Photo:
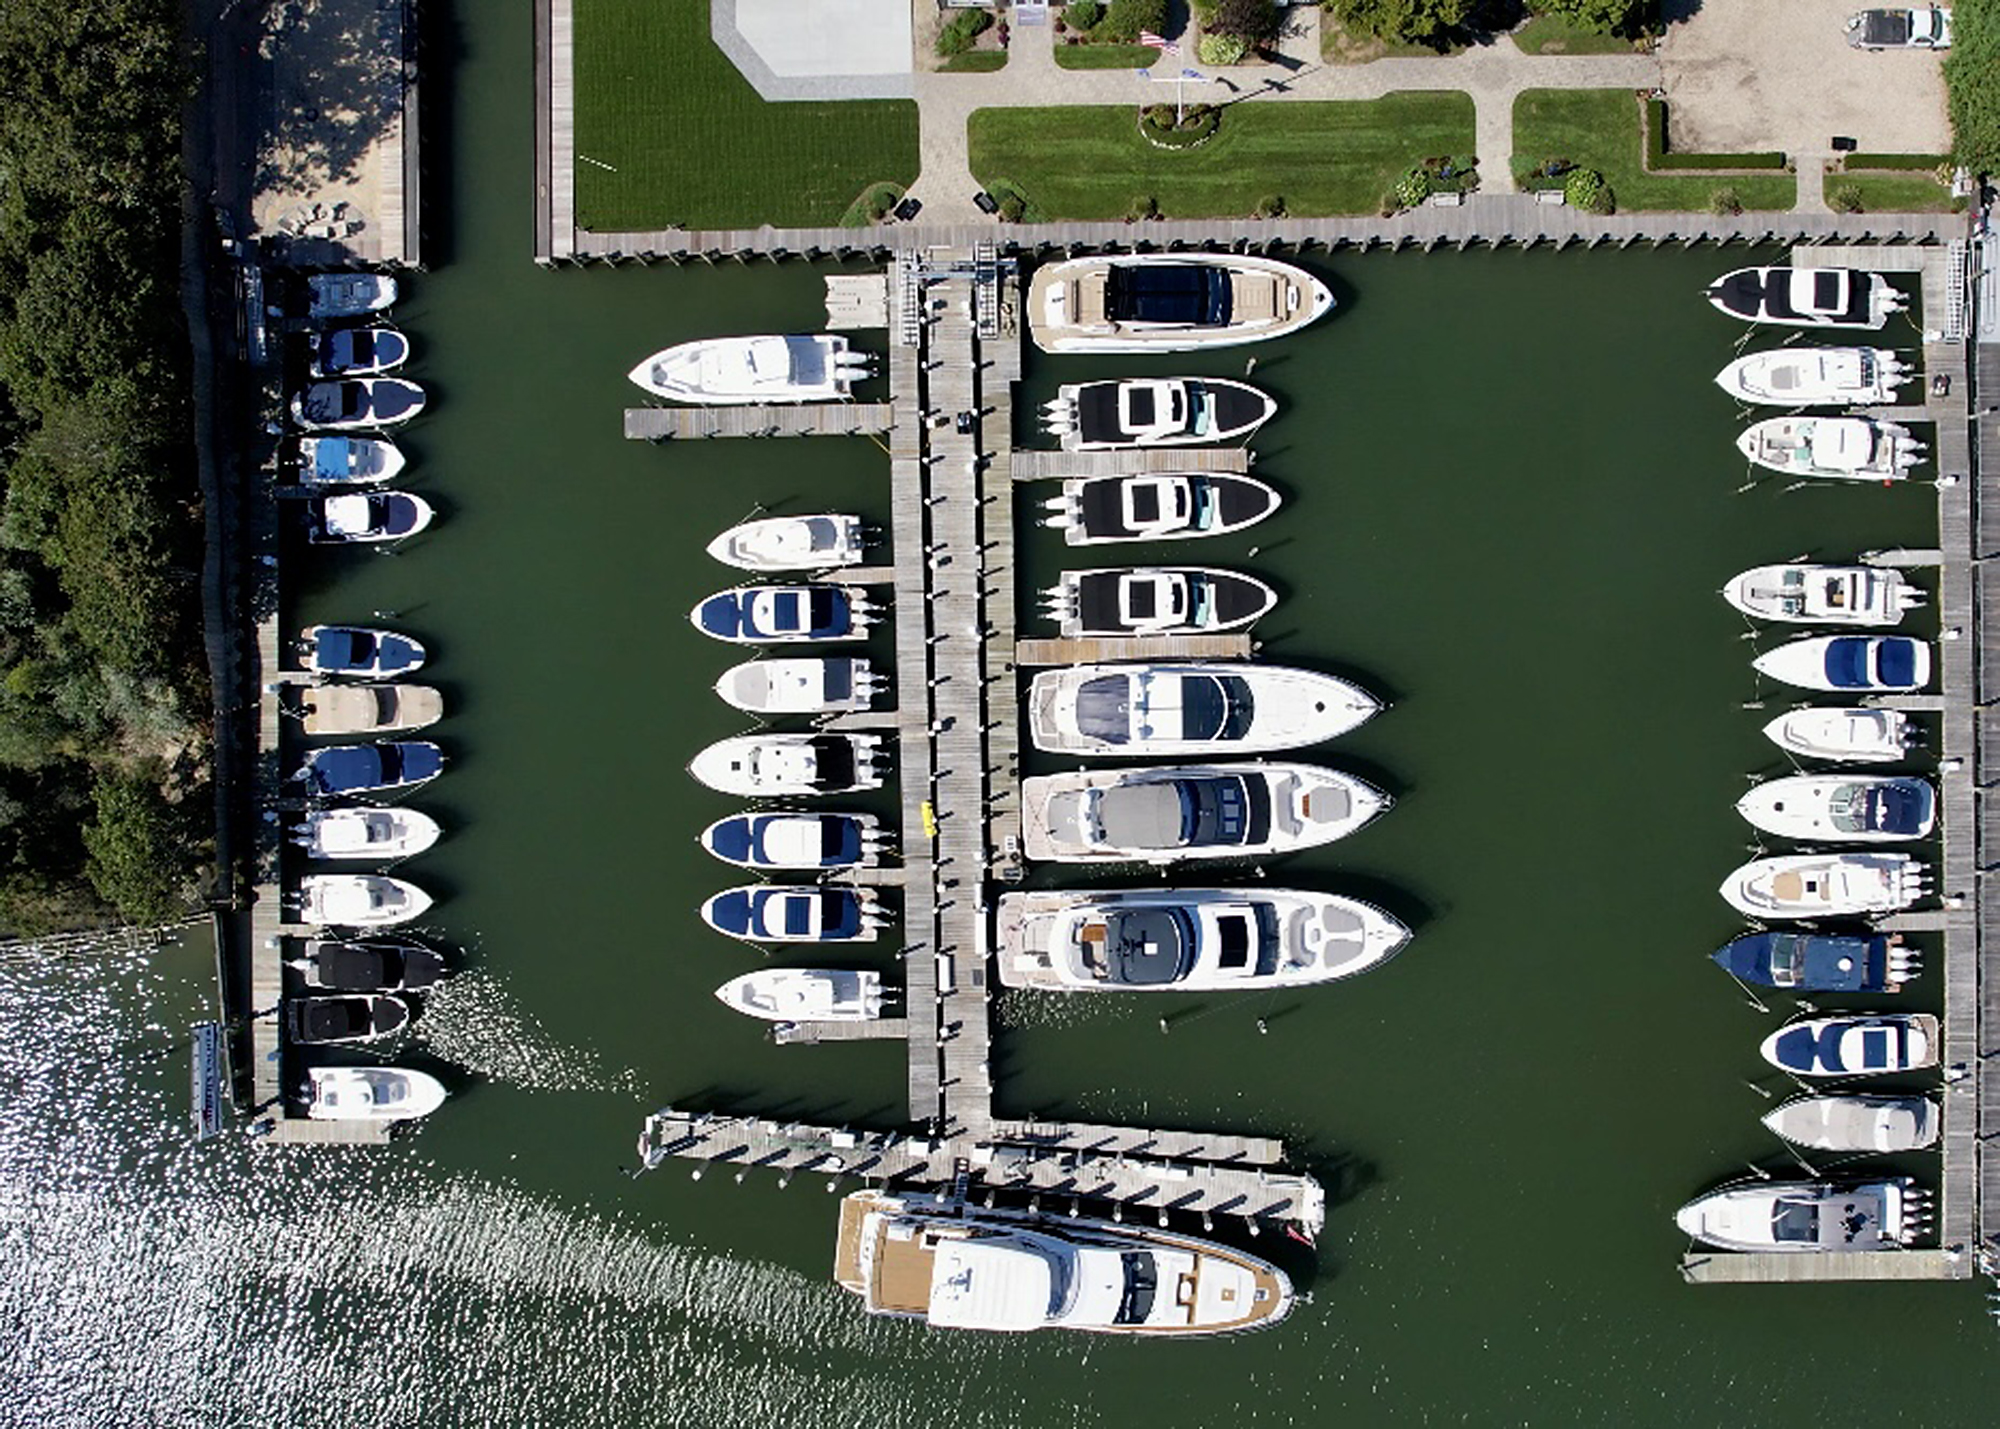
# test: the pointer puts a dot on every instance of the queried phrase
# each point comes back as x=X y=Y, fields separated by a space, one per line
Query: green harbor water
x=1511 y=497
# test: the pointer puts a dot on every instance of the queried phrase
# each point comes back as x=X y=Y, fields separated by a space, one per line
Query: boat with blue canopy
x=358 y=351
x=359 y=650
x=361 y=768
x=1820 y=962
x=774 y=614
x=769 y=913
x=796 y=839
x=1854 y=1046
x=1849 y=662
x=344 y=460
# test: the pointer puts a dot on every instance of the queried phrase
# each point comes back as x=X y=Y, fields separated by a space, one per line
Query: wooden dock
x=795 y=419
x=1092 y=649
x=881 y=1029
x=1703 y=1267
x=1032 y=464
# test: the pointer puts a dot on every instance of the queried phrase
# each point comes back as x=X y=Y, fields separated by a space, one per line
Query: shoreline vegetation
x=104 y=696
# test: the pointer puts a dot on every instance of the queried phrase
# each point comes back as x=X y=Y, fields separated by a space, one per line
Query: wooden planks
x=1089 y=650
x=1036 y=465
x=799 y=419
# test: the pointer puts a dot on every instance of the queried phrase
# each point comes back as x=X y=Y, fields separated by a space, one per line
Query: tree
x=1972 y=83
x=1609 y=17
x=1410 y=21
x=1250 y=20
x=133 y=857
x=1126 y=20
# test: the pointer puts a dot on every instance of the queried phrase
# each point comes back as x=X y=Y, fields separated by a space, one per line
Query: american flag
x=1165 y=47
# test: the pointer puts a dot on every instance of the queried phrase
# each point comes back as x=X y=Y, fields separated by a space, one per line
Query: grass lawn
x=1554 y=35
x=1599 y=129
x=689 y=142
x=1322 y=158
x=1106 y=56
x=1895 y=193
x=975 y=62
x=1339 y=45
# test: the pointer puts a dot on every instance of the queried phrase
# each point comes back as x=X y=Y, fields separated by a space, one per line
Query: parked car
x=1927 y=27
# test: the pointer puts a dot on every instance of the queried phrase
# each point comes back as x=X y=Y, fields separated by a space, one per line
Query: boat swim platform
x=791 y=419
x=1798 y=1268
x=1039 y=464
x=1098 y=649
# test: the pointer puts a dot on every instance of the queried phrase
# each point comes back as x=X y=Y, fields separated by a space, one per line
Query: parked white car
x=1925 y=28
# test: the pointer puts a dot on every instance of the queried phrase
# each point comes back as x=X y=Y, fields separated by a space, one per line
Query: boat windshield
x=1794 y=1222
x=1206 y=512
x=1142 y=1279
x=1200 y=418
x=1176 y=294
x=1215 y=707
x=1788 y=958
x=1223 y=810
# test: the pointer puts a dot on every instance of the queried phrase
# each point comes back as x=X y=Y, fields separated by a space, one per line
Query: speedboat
x=357 y=517
x=1862 y=736
x=357 y=402
x=367 y=709
x=775 y=614
x=722 y=371
x=1857 y=1123
x=806 y=686
x=1854 y=1046
x=1918 y=27
x=1824 y=595
x=1189 y=939
x=1188 y=811
x=1169 y=302
x=1176 y=506
x=805 y=995
x=1154 y=412
x=1808 y=297
x=788 y=839
x=361 y=768
x=1824 y=1216
x=1842 y=808
x=358 y=650
x=358 y=351
x=1156 y=600
x=369 y=965
x=347 y=461
x=371 y=1094
x=791 y=543
x=1197 y=708
x=345 y=1019
x=1825 y=885
x=961 y=1268
x=380 y=834
x=1849 y=662
x=1836 y=448
x=777 y=913
x=1819 y=962
x=763 y=765
x=359 y=900
x=348 y=295
x=1816 y=377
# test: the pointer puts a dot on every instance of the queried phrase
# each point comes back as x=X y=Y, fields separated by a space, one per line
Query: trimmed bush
x=1659 y=157
x=1158 y=123
x=1125 y=19
x=1222 y=49
x=1844 y=198
x=1925 y=162
x=1270 y=206
x=962 y=31
x=1586 y=189
x=1725 y=201
x=1144 y=207
x=1083 y=14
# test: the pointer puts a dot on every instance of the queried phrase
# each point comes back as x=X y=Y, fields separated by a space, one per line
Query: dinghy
x=1155 y=412
x=1842 y=808
x=1176 y=506
x=792 y=840
x=1861 y=736
x=791 y=543
x=1824 y=1217
x=1824 y=595
x=1808 y=297
x=1854 y=1045
x=727 y=371
x=1857 y=1123
x=767 y=765
x=1816 y=377
x=1849 y=662
x=1169 y=302
x=805 y=995
x=1833 y=448
x=1156 y=600
x=778 y=913
x=1197 y=708
x=1818 y=885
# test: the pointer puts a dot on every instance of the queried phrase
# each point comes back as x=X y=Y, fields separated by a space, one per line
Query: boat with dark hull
x=1174 y=506
x=1808 y=297
x=1820 y=962
x=359 y=1018
x=797 y=839
x=386 y=964
x=1156 y=600
x=1155 y=412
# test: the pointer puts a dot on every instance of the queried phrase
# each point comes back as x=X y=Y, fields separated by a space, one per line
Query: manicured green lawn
x=1599 y=129
x=1554 y=35
x=689 y=142
x=1322 y=158
x=1896 y=193
x=975 y=62
x=1106 y=56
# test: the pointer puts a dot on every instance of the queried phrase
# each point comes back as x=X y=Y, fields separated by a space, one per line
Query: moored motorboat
x=1156 y=600
x=371 y=1094
x=1197 y=708
x=785 y=614
x=1155 y=412
x=348 y=295
x=1859 y=735
x=362 y=768
x=1820 y=962
x=1824 y=595
x=358 y=351
x=359 y=900
x=388 y=964
x=803 y=686
x=1842 y=808
x=788 y=839
x=1809 y=1216
x=1851 y=1123
x=1174 y=506
x=1854 y=1045
x=350 y=402
x=358 y=650
x=1817 y=885
x=1808 y=297
x=791 y=543
x=725 y=371
x=359 y=517
x=805 y=995
x=1833 y=448
x=764 y=765
x=366 y=833
x=345 y=460
x=1849 y=662
x=353 y=1018
x=367 y=709
x=1816 y=377
x=1169 y=302
x=781 y=913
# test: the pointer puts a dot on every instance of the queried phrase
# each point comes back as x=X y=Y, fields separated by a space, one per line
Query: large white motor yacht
x=1807 y=1216
x=805 y=995
x=1833 y=448
x=1808 y=297
x=762 y=765
x=1821 y=885
x=1842 y=808
x=1852 y=735
x=1198 y=708
x=1155 y=412
x=359 y=900
x=1169 y=302
x=724 y=371
x=791 y=543
x=800 y=686
x=1824 y=595
x=366 y=833
x=1855 y=1123
x=1816 y=377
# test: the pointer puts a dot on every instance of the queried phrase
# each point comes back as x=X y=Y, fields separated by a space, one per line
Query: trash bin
x=985 y=202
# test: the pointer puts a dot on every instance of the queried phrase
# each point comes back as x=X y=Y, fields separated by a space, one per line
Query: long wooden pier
x=1092 y=649
x=797 y=419
x=1040 y=465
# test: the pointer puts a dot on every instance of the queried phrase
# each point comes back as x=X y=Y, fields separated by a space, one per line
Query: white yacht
x=1197 y=708
x=1854 y=1123
x=361 y=517
x=763 y=765
x=366 y=833
x=791 y=839
x=801 y=686
x=1834 y=448
x=343 y=404
x=357 y=351
x=1154 y=412
x=1809 y=1216
x=960 y=1268
x=1189 y=939
x=359 y=900
x=725 y=371
x=805 y=995
x=1849 y=662
x=1854 y=1045
x=1169 y=302
x=791 y=543
x=344 y=460
x=1156 y=600
x=370 y=1094
x=367 y=709
x=1824 y=595
x=1842 y=808
x=1816 y=377
x=348 y=295
x=1860 y=736
x=1808 y=297
x=1174 y=506
x=1825 y=885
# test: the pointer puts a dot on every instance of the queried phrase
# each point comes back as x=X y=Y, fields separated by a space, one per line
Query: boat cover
x=820 y=611
x=787 y=913
x=1840 y=443
x=375 y=966
x=1178 y=294
x=1847 y=663
x=1099 y=417
x=333 y=459
x=362 y=349
x=1858 y=1045
x=1896 y=662
x=336 y=1019
x=351 y=649
x=1808 y=962
x=1139 y=947
x=349 y=768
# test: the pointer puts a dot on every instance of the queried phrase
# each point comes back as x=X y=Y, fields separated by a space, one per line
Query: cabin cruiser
x=1824 y=595
x=357 y=402
x=1156 y=600
x=1176 y=506
x=1187 y=811
x=1854 y=1046
x=348 y=295
x=1189 y=939
x=1842 y=808
x=359 y=900
x=796 y=839
x=347 y=461
x=1849 y=662
x=361 y=832
x=805 y=995
x=1858 y=735
x=345 y=1019
x=1154 y=412
x=724 y=371
x=1823 y=1216
x=1825 y=885
x=1919 y=27
x=775 y=614
x=358 y=351
x=371 y=1094
x=361 y=768
x=359 y=651
x=1836 y=1123
x=1197 y=708
x=791 y=543
x=369 y=965
x=1835 y=448
x=1819 y=962
x=356 y=517
x=1816 y=377
x=777 y=913
x=956 y=1267
x=1169 y=302
x=367 y=709
x=808 y=686
x=1808 y=297
x=764 y=765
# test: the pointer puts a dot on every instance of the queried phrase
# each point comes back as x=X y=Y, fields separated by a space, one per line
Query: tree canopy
x=1972 y=80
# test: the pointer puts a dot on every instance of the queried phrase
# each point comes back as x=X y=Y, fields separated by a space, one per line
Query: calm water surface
x=1512 y=499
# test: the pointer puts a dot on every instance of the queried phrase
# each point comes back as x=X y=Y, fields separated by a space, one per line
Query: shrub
x=1222 y=49
x=1410 y=21
x=961 y=31
x=1414 y=187
x=1844 y=198
x=1270 y=206
x=1252 y=20
x=1607 y=17
x=1725 y=201
x=1083 y=14
x=1161 y=124
x=1125 y=19
x=1586 y=189
x=133 y=853
x=1013 y=208
x=1143 y=207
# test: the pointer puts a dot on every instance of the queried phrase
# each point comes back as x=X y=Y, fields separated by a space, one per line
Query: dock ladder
x=986 y=289
x=1953 y=326
x=909 y=301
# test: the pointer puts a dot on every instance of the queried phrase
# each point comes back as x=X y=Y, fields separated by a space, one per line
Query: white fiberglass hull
x=805 y=995
x=1857 y=1123
x=732 y=371
x=371 y=1094
x=1861 y=736
x=374 y=834
x=762 y=765
x=1816 y=377
x=1807 y=1217
x=1804 y=663
x=1193 y=709
x=1070 y=310
x=791 y=543
x=1832 y=448
x=801 y=686
x=1821 y=808
x=1825 y=885
x=359 y=900
x=1824 y=595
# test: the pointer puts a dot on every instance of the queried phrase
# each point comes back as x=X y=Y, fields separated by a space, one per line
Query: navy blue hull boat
x=760 y=614
x=769 y=913
x=1813 y=962
x=370 y=965
x=796 y=840
x=358 y=650
x=361 y=768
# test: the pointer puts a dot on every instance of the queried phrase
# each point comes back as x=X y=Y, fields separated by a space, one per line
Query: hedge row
x=1657 y=157
x=1926 y=163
